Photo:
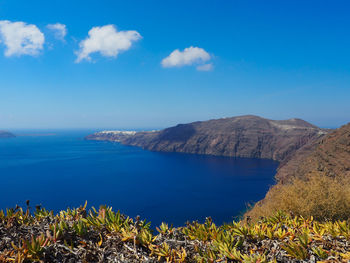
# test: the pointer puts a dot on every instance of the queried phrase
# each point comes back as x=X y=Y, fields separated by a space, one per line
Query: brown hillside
x=314 y=182
x=329 y=156
x=242 y=136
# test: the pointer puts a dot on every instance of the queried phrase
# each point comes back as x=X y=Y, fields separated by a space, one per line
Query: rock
x=243 y=136
x=329 y=155
x=4 y=134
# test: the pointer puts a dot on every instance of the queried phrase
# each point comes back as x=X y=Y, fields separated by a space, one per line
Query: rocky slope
x=312 y=182
x=329 y=156
x=4 y=134
x=243 y=136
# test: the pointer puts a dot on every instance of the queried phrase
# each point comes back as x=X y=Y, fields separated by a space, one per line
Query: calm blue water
x=64 y=170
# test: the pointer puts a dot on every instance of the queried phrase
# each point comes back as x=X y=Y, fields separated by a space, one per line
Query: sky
x=153 y=64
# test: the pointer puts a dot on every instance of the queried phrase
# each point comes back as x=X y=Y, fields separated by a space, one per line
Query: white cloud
x=189 y=56
x=60 y=30
x=21 y=38
x=107 y=41
x=205 y=67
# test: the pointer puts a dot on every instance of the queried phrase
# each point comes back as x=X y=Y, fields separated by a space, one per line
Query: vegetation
x=323 y=197
x=78 y=235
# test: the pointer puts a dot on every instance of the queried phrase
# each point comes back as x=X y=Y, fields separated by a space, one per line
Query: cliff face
x=313 y=182
x=244 y=136
x=4 y=134
x=329 y=156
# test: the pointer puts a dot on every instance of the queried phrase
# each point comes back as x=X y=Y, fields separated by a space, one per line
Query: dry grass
x=319 y=196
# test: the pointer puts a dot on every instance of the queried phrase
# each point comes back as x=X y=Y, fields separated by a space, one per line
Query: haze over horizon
x=138 y=64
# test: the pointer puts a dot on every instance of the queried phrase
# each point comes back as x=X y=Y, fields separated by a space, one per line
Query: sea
x=59 y=169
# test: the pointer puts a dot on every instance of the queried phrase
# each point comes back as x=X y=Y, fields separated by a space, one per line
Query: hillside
x=329 y=156
x=315 y=181
x=4 y=134
x=243 y=136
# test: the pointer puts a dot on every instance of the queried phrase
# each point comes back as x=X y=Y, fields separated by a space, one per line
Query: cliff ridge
x=243 y=136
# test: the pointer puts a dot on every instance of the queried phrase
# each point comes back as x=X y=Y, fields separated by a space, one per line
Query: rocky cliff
x=329 y=156
x=4 y=134
x=313 y=182
x=243 y=136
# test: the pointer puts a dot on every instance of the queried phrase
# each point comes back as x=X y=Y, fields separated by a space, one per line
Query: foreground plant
x=78 y=235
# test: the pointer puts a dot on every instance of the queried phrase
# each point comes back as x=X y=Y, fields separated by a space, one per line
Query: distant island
x=5 y=134
x=243 y=136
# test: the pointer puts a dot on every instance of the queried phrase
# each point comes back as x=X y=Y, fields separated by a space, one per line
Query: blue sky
x=275 y=59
